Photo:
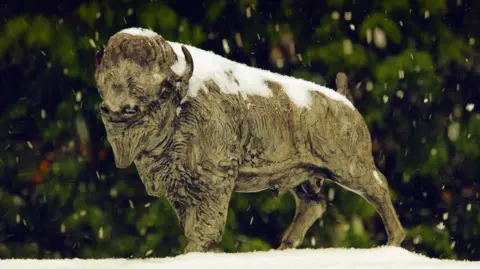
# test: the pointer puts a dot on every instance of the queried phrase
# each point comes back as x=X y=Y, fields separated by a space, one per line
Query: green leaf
x=328 y=29
x=418 y=71
x=242 y=4
x=254 y=244
x=452 y=48
x=17 y=111
x=51 y=132
x=434 y=238
x=336 y=3
x=64 y=51
x=392 y=6
x=338 y=55
x=271 y=205
x=68 y=167
x=191 y=34
x=469 y=138
x=437 y=157
x=214 y=9
x=376 y=115
x=392 y=30
x=435 y=7
x=88 y=12
x=41 y=34
x=109 y=16
x=13 y=31
x=357 y=205
x=159 y=17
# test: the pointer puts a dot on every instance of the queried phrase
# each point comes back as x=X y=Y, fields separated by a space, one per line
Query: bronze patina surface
x=196 y=151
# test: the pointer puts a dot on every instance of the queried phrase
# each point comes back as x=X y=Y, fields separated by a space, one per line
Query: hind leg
x=310 y=205
x=374 y=188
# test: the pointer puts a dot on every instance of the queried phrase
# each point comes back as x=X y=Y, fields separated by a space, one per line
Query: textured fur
x=196 y=151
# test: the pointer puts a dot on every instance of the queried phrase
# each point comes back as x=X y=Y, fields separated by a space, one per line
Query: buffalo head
x=139 y=90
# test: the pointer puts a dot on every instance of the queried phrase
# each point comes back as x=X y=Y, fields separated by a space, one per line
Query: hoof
x=396 y=241
x=288 y=245
x=285 y=246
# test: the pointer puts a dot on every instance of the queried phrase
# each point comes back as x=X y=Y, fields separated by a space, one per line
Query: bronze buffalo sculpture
x=198 y=127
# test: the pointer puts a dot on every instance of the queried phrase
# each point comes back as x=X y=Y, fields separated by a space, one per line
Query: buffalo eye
x=130 y=111
x=167 y=88
x=164 y=95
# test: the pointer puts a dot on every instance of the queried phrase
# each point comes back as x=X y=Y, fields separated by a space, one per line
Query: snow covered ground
x=382 y=257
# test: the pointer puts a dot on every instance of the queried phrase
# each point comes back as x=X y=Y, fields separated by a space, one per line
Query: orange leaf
x=44 y=165
x=37 y=177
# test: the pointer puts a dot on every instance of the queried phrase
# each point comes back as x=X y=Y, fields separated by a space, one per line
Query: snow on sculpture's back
x=251 y=81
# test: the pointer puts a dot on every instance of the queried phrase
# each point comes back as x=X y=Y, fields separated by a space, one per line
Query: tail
x=341 y=82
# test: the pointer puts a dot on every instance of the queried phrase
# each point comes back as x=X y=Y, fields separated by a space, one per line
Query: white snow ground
x=381 y=257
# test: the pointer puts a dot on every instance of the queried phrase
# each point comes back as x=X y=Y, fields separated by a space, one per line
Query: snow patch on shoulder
x=139 y=32
x=237 y=78
x=208 y=65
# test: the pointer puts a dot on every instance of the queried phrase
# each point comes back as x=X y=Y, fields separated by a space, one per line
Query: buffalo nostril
x=131 y=111
x=104 y=109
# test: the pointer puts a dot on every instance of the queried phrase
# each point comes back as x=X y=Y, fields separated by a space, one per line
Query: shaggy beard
x=125 y=147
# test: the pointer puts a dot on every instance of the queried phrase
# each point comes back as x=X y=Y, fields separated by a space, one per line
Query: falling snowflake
x=469 y=107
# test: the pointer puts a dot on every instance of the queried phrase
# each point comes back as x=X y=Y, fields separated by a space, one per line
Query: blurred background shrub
x=413 y=67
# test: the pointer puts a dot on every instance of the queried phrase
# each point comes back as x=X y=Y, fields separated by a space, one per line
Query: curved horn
x=189 y=66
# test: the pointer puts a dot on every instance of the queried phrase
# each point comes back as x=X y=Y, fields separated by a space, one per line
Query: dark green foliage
x=413 y=67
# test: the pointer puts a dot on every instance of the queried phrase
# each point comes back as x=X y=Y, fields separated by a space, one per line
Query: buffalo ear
x=98 y=57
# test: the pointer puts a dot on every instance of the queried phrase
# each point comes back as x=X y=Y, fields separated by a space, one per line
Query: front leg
x=210 y=144
x=206 y=214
